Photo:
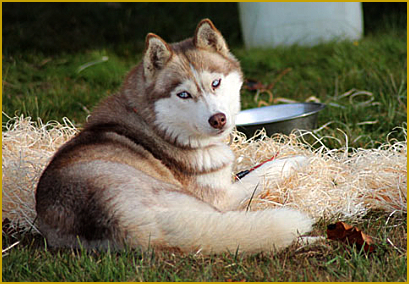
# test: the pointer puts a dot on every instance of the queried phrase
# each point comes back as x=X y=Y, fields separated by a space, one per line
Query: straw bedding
x=337 y=183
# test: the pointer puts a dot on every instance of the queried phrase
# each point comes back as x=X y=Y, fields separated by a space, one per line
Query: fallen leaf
x=348 y=234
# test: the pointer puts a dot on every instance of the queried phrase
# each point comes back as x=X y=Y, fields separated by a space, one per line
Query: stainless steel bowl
x=282 y=118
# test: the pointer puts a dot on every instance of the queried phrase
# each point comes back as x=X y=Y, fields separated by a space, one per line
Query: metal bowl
x=282 y=118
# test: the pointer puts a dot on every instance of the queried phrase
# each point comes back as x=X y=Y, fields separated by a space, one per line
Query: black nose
x=217 y=120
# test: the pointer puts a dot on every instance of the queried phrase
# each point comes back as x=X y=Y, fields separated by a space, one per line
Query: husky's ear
x=208 y=37
x=157 y=54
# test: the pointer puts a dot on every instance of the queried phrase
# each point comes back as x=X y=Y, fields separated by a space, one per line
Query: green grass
x=50 y=86
x=324 y=261
x=375 y=65
x=47 y=84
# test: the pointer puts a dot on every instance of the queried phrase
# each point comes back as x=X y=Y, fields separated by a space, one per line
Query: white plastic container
x=267 y=24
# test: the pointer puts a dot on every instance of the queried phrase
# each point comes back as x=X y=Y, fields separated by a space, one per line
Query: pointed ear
x=208 y=37
x=157 y=54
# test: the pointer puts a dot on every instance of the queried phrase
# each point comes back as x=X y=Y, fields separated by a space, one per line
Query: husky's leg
x=251 y=184
x=278 y=169
x=215 y=232
x=157 y=214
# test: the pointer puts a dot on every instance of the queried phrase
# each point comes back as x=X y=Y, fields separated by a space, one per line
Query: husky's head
x=193 y=86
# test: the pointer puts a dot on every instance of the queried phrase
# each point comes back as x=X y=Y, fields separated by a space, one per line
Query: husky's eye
x=184 y=95
x=216 y=83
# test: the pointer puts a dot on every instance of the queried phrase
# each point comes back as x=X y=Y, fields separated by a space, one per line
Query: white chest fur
x=211 y=158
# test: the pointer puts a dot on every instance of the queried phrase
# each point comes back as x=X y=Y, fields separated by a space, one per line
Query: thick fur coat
x=151 y=169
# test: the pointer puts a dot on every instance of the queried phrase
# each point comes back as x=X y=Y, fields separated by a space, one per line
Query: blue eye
x=216 y=83
x=184 y=95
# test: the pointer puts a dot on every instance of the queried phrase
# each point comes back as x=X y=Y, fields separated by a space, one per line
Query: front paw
x=283 y=167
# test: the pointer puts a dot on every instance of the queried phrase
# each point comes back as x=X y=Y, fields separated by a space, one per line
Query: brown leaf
x=348 y=234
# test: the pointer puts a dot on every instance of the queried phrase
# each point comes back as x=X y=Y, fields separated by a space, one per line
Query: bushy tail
x=215 y=232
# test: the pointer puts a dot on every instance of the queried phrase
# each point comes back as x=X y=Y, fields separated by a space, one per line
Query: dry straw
x=27 y=147
x=337 y=183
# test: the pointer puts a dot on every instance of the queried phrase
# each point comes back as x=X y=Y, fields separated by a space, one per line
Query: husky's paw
x=295 y=222
x=282 y=168
x=276 y=170
x=289 y=225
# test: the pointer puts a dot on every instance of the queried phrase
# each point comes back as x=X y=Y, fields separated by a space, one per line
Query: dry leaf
x=346 y=233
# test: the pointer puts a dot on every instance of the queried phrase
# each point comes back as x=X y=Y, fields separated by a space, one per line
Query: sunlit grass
x=362 y=83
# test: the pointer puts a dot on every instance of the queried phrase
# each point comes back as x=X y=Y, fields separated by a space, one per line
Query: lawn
x=363 y=84
x=325 y=261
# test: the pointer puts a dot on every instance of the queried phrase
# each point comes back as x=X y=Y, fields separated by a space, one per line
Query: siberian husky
x=151 y=167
